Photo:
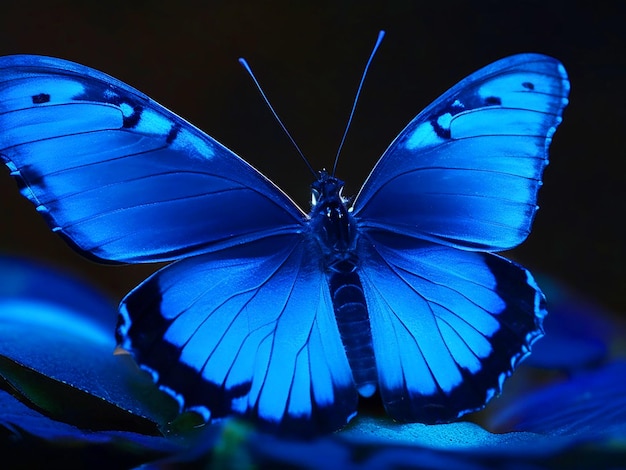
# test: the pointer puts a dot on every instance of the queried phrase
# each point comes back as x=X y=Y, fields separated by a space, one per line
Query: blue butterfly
x=286 y=317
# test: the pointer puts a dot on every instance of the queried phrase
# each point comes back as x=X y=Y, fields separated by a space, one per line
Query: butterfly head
x=325 y=189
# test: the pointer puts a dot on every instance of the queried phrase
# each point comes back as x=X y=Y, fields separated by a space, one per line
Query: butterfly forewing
x=466 y=171
x=122 y=177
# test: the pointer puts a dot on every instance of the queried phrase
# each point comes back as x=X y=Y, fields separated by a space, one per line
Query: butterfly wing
x=448 y=325
x=466 y=171
x=121 y=177
x=248 y=330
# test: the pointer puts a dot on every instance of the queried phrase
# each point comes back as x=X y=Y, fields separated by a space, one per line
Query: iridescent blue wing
x=248 y=330
x=466 y=171
x=120 y=176
x=448 y=325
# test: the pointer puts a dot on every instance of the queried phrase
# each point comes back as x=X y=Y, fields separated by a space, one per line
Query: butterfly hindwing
x=121 y=177
x=466 y=171
x=247 y=331
x=448 y=325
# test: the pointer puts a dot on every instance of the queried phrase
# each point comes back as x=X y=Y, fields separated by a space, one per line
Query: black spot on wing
x=528 y=85
x=493 y=101
x=442 y=132
x=172 y=134
x=41 y=98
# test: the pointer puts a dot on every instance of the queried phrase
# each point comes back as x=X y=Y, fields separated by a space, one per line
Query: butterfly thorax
x=331 y=222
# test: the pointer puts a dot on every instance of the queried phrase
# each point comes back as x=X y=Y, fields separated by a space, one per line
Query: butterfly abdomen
x=354 y=326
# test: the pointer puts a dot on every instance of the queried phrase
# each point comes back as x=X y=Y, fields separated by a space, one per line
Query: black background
x=309 y=57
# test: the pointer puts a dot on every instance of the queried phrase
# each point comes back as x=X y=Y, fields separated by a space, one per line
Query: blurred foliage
x=67 y=395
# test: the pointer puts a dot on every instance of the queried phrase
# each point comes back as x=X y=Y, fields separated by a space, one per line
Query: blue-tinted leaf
x=589 y=406
x=50 y=333
x=579 y=332
x=36 y=441
x=23 y=278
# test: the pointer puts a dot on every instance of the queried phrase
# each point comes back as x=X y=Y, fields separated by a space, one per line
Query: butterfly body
x=335 y=231
x=281 y=317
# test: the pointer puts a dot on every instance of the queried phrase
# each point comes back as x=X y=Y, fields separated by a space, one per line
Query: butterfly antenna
x=381 y=35
x=243 y=62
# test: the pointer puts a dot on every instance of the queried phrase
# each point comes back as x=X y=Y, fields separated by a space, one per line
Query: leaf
x=589 y=406
x=579 y=332
x=58 y=353
x=33 y=440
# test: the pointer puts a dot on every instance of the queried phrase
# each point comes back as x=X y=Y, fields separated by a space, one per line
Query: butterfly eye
x=315 y=197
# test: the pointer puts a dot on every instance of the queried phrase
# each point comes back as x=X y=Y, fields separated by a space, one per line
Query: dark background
x=309 y=57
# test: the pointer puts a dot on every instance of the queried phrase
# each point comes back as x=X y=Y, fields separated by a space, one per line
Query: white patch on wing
x=127 y=110
x=152 y=122
x=423 y=136
x=444 y=121
x=192 y=144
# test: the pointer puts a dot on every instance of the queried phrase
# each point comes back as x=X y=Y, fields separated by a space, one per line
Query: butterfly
x=287 y=317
